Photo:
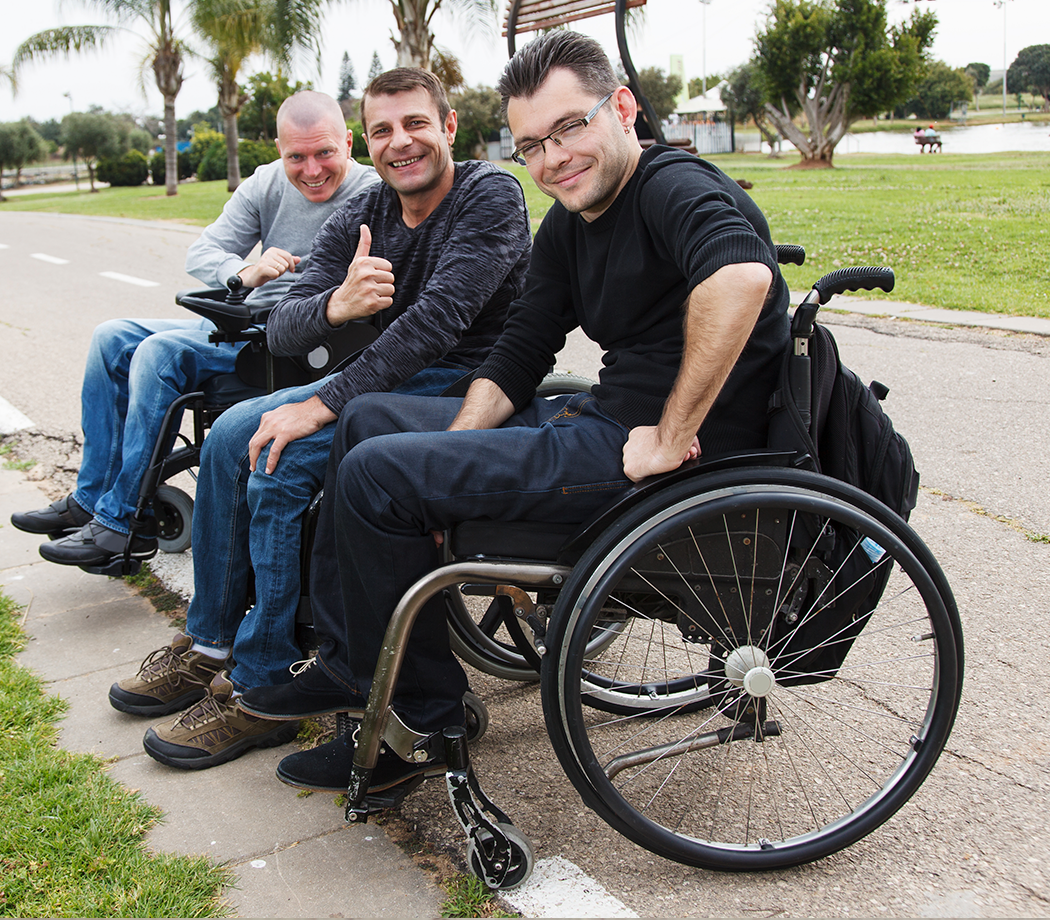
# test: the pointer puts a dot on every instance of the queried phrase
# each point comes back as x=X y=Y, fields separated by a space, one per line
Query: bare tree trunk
x=415 y=46
x=233 y=161
x=171 y=150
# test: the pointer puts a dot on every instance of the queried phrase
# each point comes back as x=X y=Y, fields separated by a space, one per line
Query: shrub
x=156 y=166
x=128 y=170
x=253 y=154
x=212 y=164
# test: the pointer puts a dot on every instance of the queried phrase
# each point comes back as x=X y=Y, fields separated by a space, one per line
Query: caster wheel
x=174 y=511
x=522 y=858
x=477 y=717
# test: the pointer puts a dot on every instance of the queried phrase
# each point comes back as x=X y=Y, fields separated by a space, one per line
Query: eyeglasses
x=565 y=136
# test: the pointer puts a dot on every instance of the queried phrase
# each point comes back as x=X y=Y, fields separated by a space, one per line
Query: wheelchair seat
x=224 y=390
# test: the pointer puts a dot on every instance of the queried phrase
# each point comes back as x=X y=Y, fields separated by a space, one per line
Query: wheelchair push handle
x=857 y=278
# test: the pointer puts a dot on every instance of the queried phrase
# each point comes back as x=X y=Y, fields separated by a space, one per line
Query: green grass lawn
x=71 y=840
x=961 y=231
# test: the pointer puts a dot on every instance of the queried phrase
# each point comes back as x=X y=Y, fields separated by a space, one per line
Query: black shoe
x=58 y=518
x=311 y=693
x=95 y=544
x=326 y=768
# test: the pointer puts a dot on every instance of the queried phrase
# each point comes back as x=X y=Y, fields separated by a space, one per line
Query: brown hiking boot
x=170 y=679
x=214 y=731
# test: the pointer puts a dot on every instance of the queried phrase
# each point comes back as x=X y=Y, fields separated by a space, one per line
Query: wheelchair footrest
x=116 y=568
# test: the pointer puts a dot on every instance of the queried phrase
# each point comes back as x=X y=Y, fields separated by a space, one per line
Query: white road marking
x=129 y=279
x=11 y=420
x=44 y=257
x=557 y=888
x=4 y=246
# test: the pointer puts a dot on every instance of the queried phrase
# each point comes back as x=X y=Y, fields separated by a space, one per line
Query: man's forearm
x=484 y=406
x=720 y=316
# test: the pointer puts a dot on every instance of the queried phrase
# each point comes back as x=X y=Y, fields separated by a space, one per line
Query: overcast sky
x=714 y=38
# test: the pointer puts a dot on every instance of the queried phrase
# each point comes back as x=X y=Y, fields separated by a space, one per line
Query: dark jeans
x=394 y=475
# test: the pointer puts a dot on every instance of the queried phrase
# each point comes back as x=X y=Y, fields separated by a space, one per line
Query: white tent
x=710 y=102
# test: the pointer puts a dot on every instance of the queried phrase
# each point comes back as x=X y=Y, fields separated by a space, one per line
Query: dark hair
x=403 y=80
x=526 y=72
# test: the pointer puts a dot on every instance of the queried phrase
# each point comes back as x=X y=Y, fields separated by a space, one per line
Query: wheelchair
x=747 y=665
x=167 y=510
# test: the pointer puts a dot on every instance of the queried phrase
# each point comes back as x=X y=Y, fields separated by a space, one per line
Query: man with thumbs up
x=431 y=258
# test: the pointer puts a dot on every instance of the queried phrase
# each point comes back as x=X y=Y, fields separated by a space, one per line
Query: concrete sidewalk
x=293 y=856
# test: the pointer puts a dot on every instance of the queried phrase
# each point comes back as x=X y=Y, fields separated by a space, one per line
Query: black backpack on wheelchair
x=837 y=427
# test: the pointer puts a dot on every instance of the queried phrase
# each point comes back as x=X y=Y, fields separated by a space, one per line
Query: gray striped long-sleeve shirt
x=454 y=277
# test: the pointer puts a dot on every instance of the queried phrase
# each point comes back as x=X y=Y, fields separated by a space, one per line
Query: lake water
x=974 y=139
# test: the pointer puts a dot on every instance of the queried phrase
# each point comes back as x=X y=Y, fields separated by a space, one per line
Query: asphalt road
x=974 y=406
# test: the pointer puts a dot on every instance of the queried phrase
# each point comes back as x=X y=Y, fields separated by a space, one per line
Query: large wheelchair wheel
x=822 y=631
x=487 y=635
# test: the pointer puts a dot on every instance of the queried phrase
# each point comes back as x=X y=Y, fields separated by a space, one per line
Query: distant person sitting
x=137 y=367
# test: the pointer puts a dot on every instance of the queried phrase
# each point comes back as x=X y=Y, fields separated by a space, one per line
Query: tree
x=164 y=55
x=376 y=67
x=448 y=70
x=92 y=135
x=20 y=145
x=745 y=96
x=258 y=119
x=1030 y=73
x=8 y=75
x=941 y=87
x=695 y=87
x=660 y=89
x=236 y=29
x=980 y=74
x=347 y=79
x=478 y=113
x=833 y=62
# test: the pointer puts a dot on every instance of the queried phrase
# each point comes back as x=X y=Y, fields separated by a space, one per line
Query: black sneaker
x=95 y=545
x=326 y=768
x=60 y=517
x=311 y=693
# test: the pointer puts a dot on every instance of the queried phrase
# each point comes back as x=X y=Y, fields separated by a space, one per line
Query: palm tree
x=8 y=75
x=415 y=48
x=164 y=55
x=237 y=29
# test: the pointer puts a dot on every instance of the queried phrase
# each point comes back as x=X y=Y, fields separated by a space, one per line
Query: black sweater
x=625 y=278
x=454 y=277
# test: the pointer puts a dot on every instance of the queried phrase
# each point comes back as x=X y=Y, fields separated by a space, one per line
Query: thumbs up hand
x=367 y=288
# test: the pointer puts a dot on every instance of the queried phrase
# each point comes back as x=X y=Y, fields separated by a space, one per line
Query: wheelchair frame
x=795 y=676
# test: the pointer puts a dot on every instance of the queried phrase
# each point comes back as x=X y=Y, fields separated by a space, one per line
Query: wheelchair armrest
x=211 y=304
x=574 y=547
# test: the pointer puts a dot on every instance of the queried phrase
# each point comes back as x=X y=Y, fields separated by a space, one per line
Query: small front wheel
x=484 y=865
x=174 y=512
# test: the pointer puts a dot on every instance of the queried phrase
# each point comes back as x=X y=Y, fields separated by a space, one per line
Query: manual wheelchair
x=746 y=664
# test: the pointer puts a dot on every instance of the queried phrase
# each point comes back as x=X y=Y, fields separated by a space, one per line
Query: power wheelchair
x=743 y=664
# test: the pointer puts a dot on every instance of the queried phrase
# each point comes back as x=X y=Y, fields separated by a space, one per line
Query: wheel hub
x=748 y=668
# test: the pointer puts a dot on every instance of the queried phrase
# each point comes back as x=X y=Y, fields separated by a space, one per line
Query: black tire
x=488 y=639
x=801 y=753
x=174 y=512
x=522 y=858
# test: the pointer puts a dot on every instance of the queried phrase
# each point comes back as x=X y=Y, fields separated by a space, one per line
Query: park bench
x=933 y=141
x=536 y=15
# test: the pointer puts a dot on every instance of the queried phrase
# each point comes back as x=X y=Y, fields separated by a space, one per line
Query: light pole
x=76 y=178
x=703 y=45
x=1002 y=3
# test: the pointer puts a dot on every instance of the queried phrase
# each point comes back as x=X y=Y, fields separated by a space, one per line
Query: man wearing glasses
x=661 y=259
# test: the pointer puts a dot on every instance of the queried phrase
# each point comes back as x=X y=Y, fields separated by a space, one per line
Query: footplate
x=497 y=852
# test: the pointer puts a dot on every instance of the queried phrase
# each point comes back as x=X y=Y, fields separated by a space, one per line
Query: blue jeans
x=245 y=522
x=135 y=369
x=394 y=475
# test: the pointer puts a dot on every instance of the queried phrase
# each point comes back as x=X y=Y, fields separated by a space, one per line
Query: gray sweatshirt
x=267 y=209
